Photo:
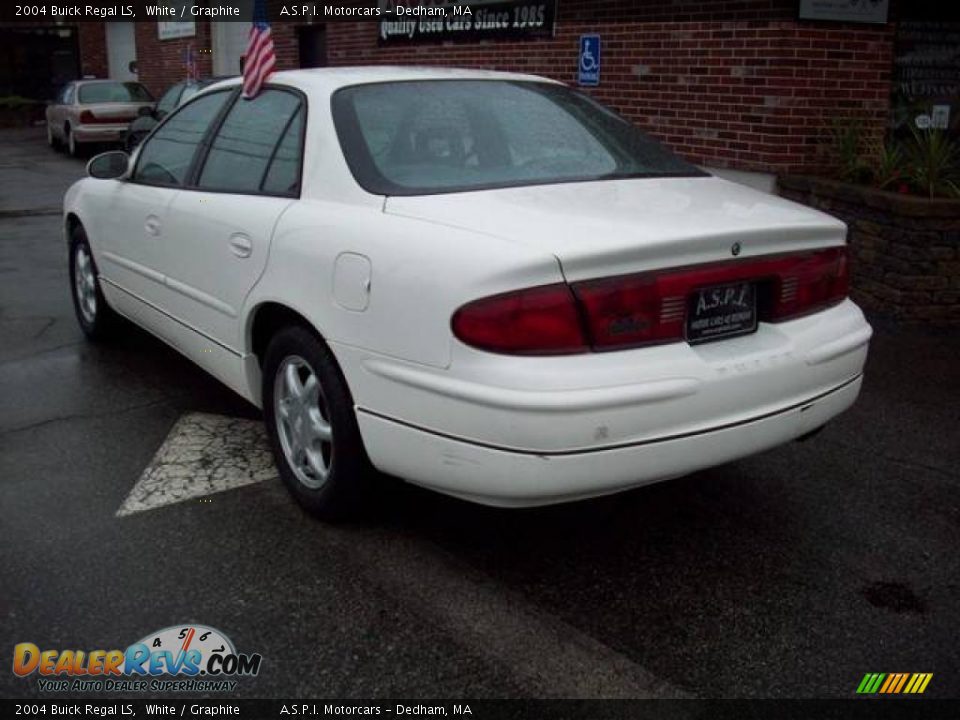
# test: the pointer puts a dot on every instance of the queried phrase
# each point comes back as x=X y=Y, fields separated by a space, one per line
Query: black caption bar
x=510 y=16
x=874 y=709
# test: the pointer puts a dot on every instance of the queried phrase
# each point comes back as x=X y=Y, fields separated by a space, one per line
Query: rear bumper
x=112 y=132
x=524 y=431
x=495 y=476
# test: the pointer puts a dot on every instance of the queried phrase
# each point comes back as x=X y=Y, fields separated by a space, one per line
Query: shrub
x=934 y=163
x=16 y=102
x=889 y=164
x=928 y=163
x=848 y=147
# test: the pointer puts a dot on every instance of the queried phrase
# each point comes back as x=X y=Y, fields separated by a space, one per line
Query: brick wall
x=285 y=45
x=92 y=41
x=161 y=63
x=732 y=84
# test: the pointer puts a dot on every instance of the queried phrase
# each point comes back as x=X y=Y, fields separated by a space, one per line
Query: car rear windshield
x=425 y=137
x=113 y=92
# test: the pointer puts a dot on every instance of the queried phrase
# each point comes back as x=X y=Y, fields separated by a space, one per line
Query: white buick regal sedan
x=484 y=283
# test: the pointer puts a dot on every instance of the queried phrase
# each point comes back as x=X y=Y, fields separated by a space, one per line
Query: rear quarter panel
x=420 y=274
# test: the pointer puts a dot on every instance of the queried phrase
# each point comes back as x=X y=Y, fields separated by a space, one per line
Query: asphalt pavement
x=788 y=574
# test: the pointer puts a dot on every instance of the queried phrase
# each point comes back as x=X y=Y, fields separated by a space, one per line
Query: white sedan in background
x=94 y=111
x=483 y=283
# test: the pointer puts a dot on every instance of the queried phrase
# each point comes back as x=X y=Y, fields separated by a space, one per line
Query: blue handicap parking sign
x=589 y=60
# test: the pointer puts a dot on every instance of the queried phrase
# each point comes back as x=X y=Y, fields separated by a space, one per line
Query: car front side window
x=166 y=157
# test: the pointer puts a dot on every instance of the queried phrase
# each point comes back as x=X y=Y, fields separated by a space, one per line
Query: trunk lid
x=614 y=227
x=114 y=111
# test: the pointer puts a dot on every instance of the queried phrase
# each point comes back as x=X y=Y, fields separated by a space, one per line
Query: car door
x=219 y=230
x=130 y=217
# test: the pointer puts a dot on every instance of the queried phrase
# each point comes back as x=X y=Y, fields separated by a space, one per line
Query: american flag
x=190 y=61
x=259 y=58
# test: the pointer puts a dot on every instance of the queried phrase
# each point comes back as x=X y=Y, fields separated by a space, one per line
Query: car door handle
x=152 y=225
x=241 y=245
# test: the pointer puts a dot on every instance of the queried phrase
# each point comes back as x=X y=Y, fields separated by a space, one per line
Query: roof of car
x=330 y=79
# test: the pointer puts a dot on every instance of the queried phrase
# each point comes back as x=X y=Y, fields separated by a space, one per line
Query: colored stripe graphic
x=870 y=683
x=903 y=679
x=891 y=679
x=894 y=683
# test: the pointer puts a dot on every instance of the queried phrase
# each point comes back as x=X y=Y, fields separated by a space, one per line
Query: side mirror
x=145 y=111
x=109 y=165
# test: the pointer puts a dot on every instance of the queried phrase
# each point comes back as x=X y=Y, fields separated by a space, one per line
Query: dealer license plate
x=721 y=311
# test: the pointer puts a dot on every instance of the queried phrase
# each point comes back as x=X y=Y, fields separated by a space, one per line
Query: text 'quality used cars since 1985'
x=483 y=283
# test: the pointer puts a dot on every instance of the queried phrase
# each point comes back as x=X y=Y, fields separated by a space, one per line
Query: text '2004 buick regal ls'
x=484 y=283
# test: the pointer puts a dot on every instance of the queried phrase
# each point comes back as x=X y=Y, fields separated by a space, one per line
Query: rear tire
x=97 y=319
x=312 y=426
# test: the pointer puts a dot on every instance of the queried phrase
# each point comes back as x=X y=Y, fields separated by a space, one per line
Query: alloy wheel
x=302 y=420
x=85 y=283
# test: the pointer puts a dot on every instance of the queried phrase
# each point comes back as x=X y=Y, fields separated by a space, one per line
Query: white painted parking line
x=548 y=656
x=206 y=454
x=203 y=454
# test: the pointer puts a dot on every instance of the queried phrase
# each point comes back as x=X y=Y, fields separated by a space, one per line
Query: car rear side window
x=166 y=157
x=245 y=143
x=283 y=177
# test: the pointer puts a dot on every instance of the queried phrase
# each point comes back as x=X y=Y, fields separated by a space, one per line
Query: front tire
x=96 y=318
x=72 y=147
x=312 y=427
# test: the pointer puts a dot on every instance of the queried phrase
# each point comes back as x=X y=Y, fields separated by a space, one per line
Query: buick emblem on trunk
x=735 y=249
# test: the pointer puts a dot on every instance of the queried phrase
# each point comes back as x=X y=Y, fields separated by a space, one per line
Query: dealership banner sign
x=858 y=11
x=417 y=22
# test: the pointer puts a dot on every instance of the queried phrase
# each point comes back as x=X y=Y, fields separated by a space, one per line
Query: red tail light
x=632 y=310
x=810 y=283
x=645 y=308
x=88 y=118
x=539 y=321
